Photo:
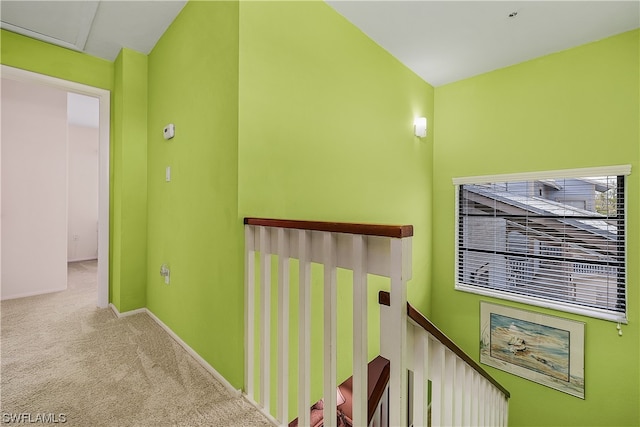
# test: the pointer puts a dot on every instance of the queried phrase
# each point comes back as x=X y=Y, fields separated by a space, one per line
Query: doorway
x=103 y=164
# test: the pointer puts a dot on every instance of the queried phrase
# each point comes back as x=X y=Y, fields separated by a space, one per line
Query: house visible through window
x=554 y=239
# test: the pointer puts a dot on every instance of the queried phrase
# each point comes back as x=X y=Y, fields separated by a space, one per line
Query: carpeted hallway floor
x=62 y=355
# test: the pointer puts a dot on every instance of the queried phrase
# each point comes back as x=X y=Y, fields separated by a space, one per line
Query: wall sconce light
x=420 y=126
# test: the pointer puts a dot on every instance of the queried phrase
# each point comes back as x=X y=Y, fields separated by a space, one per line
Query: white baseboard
x=196 y=356
x=126 y=313
x=234 y=391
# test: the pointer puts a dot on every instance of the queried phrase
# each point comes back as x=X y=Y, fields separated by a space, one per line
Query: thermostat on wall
x=169 y=131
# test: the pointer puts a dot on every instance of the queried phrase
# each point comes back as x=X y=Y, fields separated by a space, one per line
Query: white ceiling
x=100 y=28
x=445 y=41
x=441 y=41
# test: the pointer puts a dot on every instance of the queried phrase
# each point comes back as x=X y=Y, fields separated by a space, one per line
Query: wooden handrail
x=375 y=396
x=378 y=378
x=385 y=299
x=397 y=231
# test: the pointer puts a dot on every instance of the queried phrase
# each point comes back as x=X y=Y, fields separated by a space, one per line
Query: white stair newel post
x=249 y=308
x=304 y=328
x=330 y=329
x=265 y=335
x=398 y=308
x=283 y=324
x=360 y=371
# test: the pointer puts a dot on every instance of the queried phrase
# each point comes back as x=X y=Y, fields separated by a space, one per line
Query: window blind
x=557 y=242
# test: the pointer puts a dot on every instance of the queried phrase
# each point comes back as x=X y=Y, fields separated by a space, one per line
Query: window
x=554 y=239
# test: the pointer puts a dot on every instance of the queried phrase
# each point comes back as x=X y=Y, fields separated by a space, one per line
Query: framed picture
x=545 y=349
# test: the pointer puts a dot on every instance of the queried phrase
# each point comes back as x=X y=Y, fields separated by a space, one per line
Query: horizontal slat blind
x=549 y=239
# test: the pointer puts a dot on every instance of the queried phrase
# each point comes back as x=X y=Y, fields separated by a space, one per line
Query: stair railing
x=364 y=249
x=461 y=392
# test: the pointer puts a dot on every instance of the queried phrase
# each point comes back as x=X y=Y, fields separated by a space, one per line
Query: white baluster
x=330 y=328
x=447 y=391
x=421 y=379
x=467 y=395
x=249 y=308
x=458 y=391
x=483 y=403
x=360 y=359
x=282 y=412
x=384 y=408
x=475 y=407
x=495 y=406
x=304 y=328
x=265 y=335
x=505 y=411
x=437 y=383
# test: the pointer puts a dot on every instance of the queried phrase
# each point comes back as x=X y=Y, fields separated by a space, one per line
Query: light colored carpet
x=62 y=355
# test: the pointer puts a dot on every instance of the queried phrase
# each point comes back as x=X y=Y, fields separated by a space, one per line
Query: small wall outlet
x=76 y=237
x=166 y=273
x=169 y=131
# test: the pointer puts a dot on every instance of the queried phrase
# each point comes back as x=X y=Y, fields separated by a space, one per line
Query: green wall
x=577 y=108
x=129 y=160
x=193 y=220
x=326 y=133
x=293 y=84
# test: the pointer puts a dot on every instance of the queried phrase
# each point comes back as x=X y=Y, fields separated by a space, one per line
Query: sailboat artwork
x=547 y=352
x=516 y=344
x=537 y=350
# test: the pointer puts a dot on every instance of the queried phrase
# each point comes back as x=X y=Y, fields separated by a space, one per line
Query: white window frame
x=619 y=170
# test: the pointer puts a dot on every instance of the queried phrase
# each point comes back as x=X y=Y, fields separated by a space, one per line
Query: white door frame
x=103 y=162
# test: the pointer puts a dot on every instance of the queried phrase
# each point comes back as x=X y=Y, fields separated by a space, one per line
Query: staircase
x=431 y=380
